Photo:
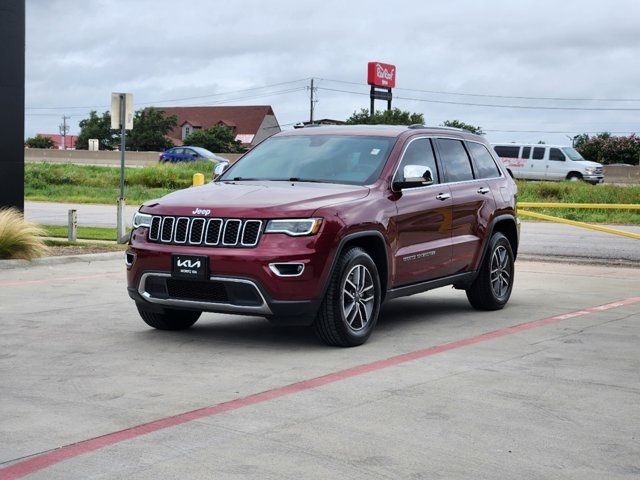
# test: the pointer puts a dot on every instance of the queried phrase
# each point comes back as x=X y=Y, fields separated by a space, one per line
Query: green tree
x=606 y=148
x=97 y=126
x=217 y=139
x=385 y=117
x=39 y=142
x=149 y=129
x=463 y=126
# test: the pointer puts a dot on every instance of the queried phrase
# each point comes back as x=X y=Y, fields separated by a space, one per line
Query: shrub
x=19 y=238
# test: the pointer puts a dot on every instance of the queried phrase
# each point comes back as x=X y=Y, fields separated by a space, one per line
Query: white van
x=547 y=162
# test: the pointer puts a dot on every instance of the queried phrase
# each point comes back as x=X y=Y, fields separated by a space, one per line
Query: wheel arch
x=372 y=242
x=574 y=173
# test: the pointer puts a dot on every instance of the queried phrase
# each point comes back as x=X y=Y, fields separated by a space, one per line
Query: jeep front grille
x=213 y=232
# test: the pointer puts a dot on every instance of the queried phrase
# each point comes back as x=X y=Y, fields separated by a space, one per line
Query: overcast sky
x=77 y=53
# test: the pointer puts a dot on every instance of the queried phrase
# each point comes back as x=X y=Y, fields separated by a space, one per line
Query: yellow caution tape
x=598 y=228
x=612 y=206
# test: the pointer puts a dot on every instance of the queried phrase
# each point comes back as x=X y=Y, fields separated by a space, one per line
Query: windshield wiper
x=309 y=180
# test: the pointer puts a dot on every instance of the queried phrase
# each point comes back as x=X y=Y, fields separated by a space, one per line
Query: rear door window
x=526 y=152
x=485 y=166
x=456 y=161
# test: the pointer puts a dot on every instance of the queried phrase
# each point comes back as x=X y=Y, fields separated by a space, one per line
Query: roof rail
x=416 y=126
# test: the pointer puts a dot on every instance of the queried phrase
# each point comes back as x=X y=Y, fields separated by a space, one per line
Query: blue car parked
x=189 y=154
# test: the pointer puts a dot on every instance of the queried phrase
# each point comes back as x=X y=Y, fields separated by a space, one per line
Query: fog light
x=287 y=269
x=129 y=258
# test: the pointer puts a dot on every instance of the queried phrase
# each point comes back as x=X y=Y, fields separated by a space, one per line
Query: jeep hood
x=274 y=199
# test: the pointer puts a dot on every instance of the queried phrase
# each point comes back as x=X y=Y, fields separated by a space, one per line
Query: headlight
x=590 y=171
x=141 y=220
x=294 y=227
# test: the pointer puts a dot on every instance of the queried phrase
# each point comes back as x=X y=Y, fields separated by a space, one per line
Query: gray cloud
x=77 y=53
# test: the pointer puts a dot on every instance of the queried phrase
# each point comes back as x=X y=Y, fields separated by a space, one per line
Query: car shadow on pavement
x=227 y=330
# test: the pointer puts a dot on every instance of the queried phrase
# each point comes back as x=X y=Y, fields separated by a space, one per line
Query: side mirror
x=414 y=176
x=220 y=168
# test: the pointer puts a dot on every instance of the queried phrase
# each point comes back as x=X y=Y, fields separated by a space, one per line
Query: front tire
x=574 y=177
x=350 y=309
x=492 y=287
x=170 y=319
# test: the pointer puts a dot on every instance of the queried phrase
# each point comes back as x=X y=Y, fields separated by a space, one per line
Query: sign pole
x=121 y=202
x=382 y=78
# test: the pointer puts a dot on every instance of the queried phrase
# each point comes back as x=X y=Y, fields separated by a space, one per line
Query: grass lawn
x=49 y=182
x=580 y=192
x=85 y=233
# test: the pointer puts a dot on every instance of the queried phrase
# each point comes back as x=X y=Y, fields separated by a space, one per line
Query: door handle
x=443 y=196
x=483 y=190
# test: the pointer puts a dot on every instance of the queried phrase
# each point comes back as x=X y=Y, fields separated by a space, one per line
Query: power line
x=465 y=94
x=555 y=131
x=175 y=99
x=489 y=105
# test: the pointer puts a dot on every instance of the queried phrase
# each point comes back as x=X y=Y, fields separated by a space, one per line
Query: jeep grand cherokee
x=319 y=226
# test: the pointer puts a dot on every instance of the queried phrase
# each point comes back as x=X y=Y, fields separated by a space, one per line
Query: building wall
x=268 y=127
x=184 y=131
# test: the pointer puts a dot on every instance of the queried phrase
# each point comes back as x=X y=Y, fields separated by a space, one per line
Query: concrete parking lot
x=549 y=387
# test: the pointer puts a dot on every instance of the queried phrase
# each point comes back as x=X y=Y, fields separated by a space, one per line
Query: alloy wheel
x=358 y=297
x=500 y=276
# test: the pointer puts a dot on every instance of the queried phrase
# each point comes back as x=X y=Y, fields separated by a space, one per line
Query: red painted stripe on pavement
x=40 y=281
x=44 y=460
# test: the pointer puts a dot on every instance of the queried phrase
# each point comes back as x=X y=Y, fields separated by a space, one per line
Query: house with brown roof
x=250 y=124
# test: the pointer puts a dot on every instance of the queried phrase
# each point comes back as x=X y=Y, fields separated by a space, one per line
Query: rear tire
x=350 y=309
x=492 y=286
x=170 y=319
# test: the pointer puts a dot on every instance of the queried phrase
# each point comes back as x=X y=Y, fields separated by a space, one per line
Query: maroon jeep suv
x=319 y=226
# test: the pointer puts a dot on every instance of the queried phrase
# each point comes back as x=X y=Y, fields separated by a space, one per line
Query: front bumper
x=240 y=281
x=594 y=178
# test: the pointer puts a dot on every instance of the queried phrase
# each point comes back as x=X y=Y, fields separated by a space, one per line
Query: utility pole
x=312 y=101
x=64 y=129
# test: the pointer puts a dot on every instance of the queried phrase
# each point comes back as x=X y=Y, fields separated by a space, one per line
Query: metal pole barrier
x=72 y=233
x=121 y=202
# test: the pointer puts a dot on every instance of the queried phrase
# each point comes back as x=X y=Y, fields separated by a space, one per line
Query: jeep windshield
x=356 y=160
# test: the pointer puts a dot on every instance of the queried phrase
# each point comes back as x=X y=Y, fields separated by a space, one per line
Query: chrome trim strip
x=435 y=137
x=225 y=232
x=244 y=227
x=209 y=306
x=207 y=231
x=204 y=224
x=173 y=224
x=186 y=235
x=274 y=269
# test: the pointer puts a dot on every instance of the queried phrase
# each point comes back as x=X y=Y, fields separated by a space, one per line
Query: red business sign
x=381 y=74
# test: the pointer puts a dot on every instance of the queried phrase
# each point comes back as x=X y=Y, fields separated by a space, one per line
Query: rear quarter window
x=507 y=151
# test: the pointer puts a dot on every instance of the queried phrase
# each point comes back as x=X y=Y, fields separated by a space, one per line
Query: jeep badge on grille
x=200 y=211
